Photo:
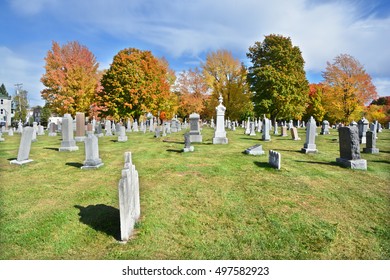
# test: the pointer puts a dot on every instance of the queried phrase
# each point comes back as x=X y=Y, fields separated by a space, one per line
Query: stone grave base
x=190 y=149
x=371 y=150
x=79 y=138
x=52 y=134
x=68 y=149
x=92 y=166
x=196 y=138
x=220 y=140
x=122 y=138
x=360 y=164
x=309 y=151
x=15 y=161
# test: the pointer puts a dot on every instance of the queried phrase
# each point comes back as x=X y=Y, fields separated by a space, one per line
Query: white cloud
x=15 y=69
x=382 y=86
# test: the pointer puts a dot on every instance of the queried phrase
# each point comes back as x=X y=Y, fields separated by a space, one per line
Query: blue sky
x=183 y=31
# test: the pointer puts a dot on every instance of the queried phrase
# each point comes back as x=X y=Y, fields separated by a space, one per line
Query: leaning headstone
x=122 y=137
x=266 y=128
x=274 y=159
x=92 y=160
x=129 y=200
x=370 y=143
x=187 y=144
x=80 y=127
x=350 y=148
x=255 y=150
x=294 y=133
x=325 y=128
x=68 y=143
x=195 y=135
x=220 y=132
x=24 y=147
x=310 y=146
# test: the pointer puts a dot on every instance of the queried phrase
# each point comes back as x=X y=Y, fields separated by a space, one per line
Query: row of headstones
x=349 y=146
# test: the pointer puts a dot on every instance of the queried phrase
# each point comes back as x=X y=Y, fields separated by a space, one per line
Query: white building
x=6 y=110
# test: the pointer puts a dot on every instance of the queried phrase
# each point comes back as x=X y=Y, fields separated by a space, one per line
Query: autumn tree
x=348 y=88
x=135 y=83
x=315 y=105
x=226 y=76
x=71 y=78
x=191 y=89
x=277 y=78
x=379 y=110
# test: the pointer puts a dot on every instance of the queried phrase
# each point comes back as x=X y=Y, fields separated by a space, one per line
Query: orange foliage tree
x=71 y=78
x=227 y=76
x=348 y=88
x=315 y=105
x=136 y=83
x=191 y=90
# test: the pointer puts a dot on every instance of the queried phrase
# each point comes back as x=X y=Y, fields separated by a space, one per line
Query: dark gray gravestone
x=350 y=148
x=370 y=143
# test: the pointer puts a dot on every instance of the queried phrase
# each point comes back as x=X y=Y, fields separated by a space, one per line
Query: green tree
x=45 y=114
x=21 y=105
x=277 y=78
x=136 y=83
x=227 y=76
x=3 y=90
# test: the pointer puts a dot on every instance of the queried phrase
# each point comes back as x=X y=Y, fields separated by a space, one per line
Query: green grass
x=214 y=203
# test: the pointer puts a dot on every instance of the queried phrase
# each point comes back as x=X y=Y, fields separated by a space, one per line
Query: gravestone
x=1 y=137
x=350 y=148
x=52 y=129
x=255 y=150
x=195 y=135
x=20 y=127
x=220 y=133
x=157 y=132
x=363 y=127
x=276 y=132
x=68 y=144
x=294 y=134
x=107 y=127
x=325 y=128
x=122 y=137
x=212 y=124
x=266 y=128
x=370 y=143
x=41 y=130
x=24 y=147
x=274 y=159
x=113 y=128
x=80 y=127
x=259 y=125
x=252 y=125
x=34 y=136
x=128 y=126
x=187 y=144
x=11 y=131
x=129 y=200
x=284 y=131
x=248 y=127
x=353 y=123
x=99 y=129
x=310 y=146
x=92 y=160
x=135 y=126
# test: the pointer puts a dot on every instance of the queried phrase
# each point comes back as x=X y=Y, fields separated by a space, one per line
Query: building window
x=1 y=111
x=1 y=102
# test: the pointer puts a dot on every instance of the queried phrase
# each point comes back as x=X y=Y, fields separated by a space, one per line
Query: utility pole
x=18 y=88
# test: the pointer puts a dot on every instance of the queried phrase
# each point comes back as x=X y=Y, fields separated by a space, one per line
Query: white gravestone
x=24 y=147
x=68 y=143
x=220 y=133
x=310 y=146
x=92 y=160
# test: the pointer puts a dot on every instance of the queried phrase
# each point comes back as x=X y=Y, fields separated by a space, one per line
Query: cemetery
x=152 y=200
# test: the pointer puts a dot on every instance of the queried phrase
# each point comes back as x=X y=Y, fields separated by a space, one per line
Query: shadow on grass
x=263 y=164
x=172 y=141
x=102 y=218
x=74 y=164
x=175 y=151
x=12 y=158
x=332 y=163
x=381 y=161
x=293 y=151
x=386 y=152
x=50 y=148
x=114 y=141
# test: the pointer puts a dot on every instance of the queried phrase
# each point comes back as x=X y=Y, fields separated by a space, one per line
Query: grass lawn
x=213 y=203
